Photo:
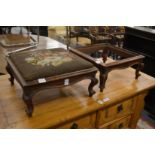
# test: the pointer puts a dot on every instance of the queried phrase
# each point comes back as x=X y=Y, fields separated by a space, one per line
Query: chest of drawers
x=70 y=107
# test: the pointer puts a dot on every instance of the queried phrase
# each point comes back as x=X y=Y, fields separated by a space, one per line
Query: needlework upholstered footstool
x=36 y=70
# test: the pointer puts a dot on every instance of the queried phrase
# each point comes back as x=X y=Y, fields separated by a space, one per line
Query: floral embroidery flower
x=48 y=58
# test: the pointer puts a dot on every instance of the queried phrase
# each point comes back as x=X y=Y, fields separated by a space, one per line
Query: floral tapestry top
x=47 y=58
x=35 y=64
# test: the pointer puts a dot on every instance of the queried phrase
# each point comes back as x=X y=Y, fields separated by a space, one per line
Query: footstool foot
x=93 y=82
x=28 y=101
x=138 y=69
x=11 y=79
x=103 y=79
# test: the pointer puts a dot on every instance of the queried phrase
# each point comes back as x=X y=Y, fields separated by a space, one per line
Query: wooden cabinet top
x=57 y=106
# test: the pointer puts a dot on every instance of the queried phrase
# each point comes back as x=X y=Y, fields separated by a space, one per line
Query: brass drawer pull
x=74 y=126
x=119 y=108
x=120 y=126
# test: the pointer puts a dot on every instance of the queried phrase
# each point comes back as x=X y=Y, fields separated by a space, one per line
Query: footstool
x=125 y=58
x=17 y=40
x=36 y=70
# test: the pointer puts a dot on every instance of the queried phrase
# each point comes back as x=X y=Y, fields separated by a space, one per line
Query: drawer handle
x=74 y=126
x=119 y=108
x=120 y=126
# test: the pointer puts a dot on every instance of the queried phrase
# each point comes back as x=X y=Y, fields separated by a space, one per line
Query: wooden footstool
x=16 y=40
x=125 y=58
x=36 y=70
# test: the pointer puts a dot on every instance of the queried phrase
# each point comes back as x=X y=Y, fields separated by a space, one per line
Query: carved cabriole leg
x=138 y=69
x=93 y=82
x=101 y=85
x=27 y=97
x=103 y=78
x=11 y=79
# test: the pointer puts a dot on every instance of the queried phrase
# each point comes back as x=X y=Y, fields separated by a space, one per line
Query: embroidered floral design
x=47 y=58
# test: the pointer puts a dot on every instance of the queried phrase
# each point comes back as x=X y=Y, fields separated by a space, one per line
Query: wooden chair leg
x=77 y=39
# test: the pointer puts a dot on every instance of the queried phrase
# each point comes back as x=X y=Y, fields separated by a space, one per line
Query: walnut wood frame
x=30 y=88
x=130 y=59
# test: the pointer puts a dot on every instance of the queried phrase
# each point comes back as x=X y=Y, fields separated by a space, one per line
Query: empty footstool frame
x=30 y=88
x=127 y=59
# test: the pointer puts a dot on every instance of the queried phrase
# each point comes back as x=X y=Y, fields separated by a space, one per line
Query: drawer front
x=114 y=112
x=121 y=124
x=87 y=122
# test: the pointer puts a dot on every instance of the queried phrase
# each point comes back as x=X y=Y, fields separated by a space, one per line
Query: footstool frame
x=129 y=59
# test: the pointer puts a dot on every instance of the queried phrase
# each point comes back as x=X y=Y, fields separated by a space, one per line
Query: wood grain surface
x=59 y=106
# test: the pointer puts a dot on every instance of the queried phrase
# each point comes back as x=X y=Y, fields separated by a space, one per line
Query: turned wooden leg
x=119 y=43
x=138 y=69
x=92 y=41
x=28 y=100
x=93 y=82
x=77 y=39
x=103 y=78
x=11 y=79
x=104 y=56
